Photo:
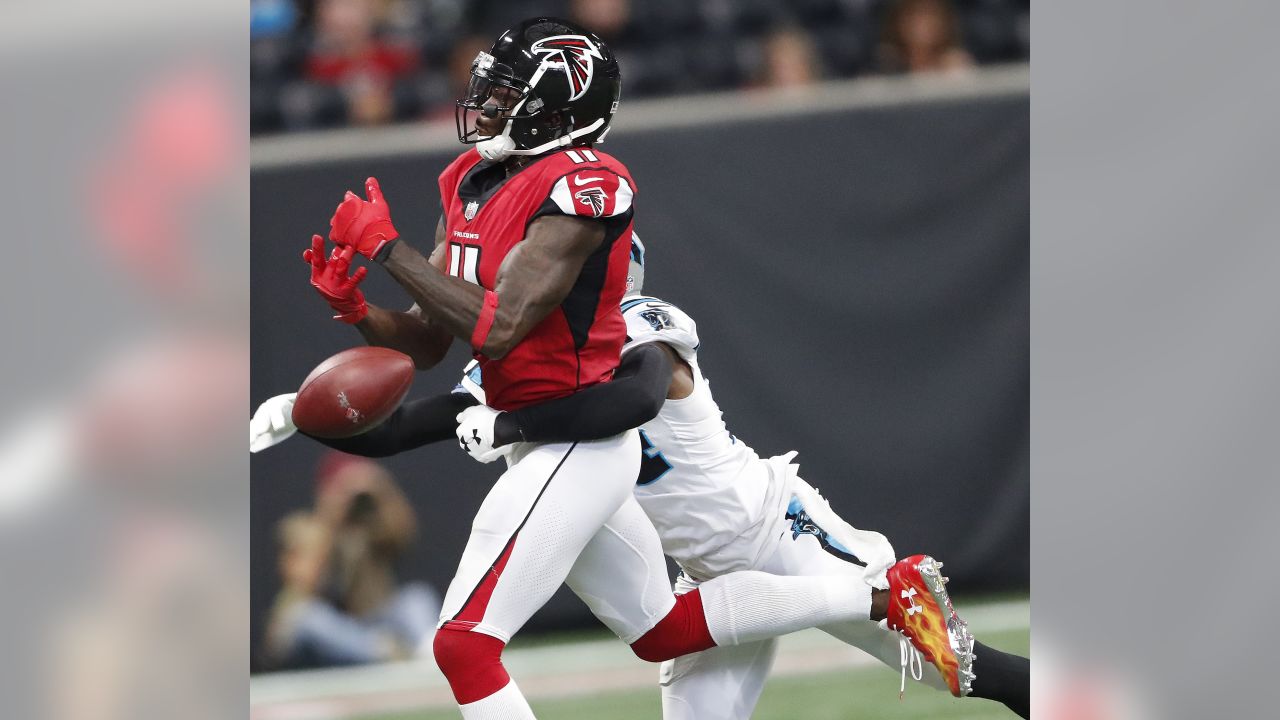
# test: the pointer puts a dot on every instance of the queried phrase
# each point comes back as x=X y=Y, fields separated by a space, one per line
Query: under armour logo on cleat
x=912 y=608
x=475 y=434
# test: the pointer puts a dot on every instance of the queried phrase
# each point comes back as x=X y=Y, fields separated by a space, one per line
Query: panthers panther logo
x=658 y=319
x=574 y=53
x=802 y=524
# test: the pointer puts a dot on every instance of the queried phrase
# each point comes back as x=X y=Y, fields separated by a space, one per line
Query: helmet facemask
x=518 y=103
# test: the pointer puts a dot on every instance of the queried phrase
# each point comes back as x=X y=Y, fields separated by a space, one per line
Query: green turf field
x=863 y=693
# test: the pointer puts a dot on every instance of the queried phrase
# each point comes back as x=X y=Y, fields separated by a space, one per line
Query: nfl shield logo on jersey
x=470 y=210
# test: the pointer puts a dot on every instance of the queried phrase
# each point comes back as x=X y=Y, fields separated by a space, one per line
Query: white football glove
x=475 y=433
x=272 y=423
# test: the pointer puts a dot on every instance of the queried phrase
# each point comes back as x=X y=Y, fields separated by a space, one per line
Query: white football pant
x=563 y=513
x=724 y=683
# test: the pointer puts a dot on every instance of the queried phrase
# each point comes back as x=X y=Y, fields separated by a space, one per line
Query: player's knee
x=650 y=650
x=682 y=631
x=462 y=651
x=471 y=662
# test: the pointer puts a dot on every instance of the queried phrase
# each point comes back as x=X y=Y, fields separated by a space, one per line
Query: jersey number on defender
x=652 y=464
x=463 y=261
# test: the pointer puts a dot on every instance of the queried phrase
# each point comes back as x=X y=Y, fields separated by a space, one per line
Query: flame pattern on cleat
x=920 y=609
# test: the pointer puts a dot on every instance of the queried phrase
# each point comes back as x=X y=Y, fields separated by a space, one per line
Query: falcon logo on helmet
x=574 y=53
x=593 y=197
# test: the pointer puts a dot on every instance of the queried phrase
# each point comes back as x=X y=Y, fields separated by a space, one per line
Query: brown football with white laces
x=352 y=391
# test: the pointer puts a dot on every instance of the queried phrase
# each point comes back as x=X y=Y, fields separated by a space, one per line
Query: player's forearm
x=632 y=398
x=424 y=342
x=453 y=304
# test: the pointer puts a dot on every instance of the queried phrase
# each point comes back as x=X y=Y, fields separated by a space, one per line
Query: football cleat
x=920 y=609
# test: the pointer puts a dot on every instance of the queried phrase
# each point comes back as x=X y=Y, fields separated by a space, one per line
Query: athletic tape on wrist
x=353 y=317
x=485 y=322
x=385 y=251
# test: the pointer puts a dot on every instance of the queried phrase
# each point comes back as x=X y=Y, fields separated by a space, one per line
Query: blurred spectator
x=922 y=36
x=271 y=18
x=347 y=53
x=340 y=603
x=790 y=59
x=464 y=53
x=324 y=63
x=606 y=18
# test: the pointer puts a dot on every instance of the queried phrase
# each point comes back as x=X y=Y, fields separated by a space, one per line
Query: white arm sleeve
x=650 y=320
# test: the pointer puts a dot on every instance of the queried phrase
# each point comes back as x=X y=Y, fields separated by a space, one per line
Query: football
x=352 y=392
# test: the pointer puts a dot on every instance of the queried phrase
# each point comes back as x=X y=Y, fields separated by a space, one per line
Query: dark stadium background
x=860 y=282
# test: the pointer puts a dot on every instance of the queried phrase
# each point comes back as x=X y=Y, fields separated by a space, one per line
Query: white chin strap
x=500 y=147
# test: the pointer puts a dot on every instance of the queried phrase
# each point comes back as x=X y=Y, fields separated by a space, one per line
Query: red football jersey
x=486 y=214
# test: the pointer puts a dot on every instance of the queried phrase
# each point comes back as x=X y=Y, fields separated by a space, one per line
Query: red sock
x=682 y=631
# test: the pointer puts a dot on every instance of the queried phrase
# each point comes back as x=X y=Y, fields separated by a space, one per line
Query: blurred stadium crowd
x=333 y=63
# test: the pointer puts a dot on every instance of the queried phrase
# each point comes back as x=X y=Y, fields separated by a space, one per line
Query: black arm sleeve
x=632 y=398
x=414 y=424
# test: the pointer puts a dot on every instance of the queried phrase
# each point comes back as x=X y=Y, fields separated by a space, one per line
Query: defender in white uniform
x=720 y=508
x=712 y=499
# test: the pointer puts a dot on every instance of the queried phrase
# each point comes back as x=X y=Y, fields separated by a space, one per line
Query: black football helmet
x=552 y=65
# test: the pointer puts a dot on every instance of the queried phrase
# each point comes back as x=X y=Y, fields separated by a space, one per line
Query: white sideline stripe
x=552 y=671
x=711 y=109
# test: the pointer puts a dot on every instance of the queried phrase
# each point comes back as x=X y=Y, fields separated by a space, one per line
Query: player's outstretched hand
x=272 y=423
x=475 y=433
x=364 y=224
x=330 y=279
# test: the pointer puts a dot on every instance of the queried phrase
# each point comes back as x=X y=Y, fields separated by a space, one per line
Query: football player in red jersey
x=529 y=266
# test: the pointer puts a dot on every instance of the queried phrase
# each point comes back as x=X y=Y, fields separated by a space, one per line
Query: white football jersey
x=712 y=499
x=706 y=491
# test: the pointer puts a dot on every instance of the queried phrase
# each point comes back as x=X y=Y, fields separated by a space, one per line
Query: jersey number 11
x=463 y=261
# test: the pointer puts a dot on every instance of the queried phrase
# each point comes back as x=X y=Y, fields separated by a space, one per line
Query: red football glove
x=364 y=224
x=330 y=279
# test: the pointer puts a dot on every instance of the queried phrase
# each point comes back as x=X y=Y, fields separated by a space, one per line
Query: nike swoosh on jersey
x=578 y=180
